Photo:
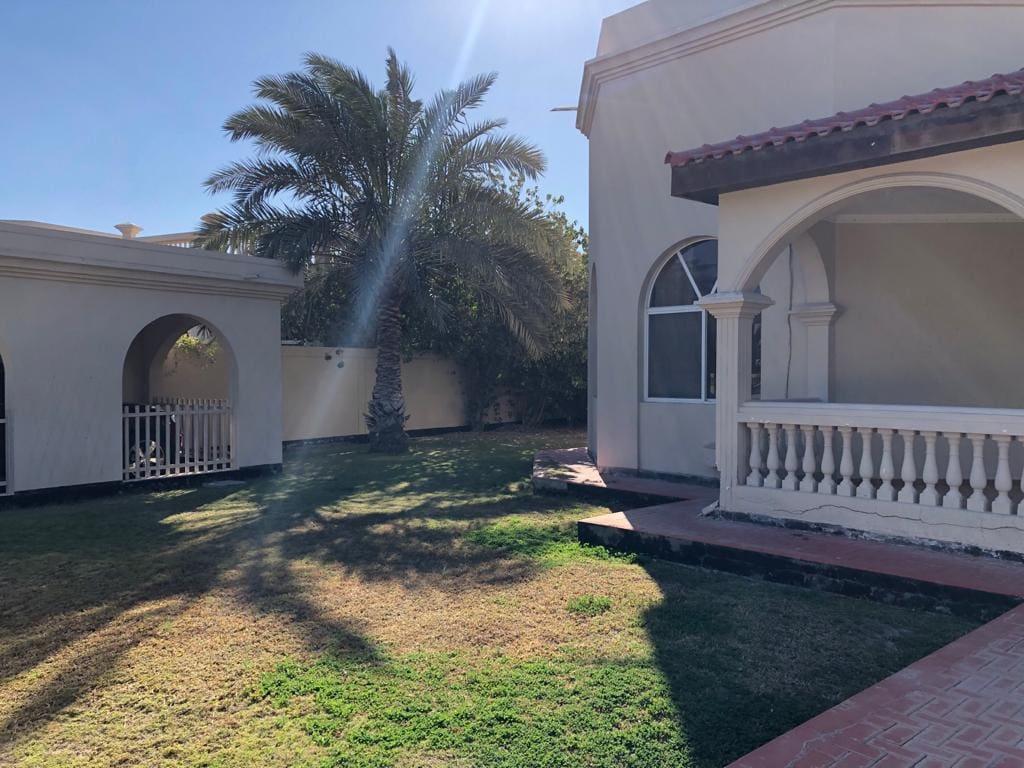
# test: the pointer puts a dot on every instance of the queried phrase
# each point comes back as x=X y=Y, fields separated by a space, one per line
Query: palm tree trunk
x=386 y=417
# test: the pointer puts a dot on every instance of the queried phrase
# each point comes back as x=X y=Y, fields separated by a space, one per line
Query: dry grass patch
x=401 y=611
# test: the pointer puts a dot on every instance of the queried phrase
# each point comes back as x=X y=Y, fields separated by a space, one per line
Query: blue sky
x=113 y=110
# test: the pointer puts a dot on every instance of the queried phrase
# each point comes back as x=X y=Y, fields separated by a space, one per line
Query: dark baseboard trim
x=427 y=432
x=71 y=493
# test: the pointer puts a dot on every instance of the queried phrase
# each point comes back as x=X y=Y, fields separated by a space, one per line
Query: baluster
x=772 y=462
x=929 y=496
x=886 y=470
x=810 y=465
x=1004 y=481
x=977 y=502
x=908 y=471
x=789 y=482
x=828 y=464
x=954 y=498
x=866 y=489
x=754 y=478
x=846 y=487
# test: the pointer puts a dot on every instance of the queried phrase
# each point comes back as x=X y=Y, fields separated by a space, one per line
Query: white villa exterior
x=825 y=318
x=86 y=322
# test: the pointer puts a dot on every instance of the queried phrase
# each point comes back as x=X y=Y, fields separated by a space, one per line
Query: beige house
x=824 y=317
x=86 y=323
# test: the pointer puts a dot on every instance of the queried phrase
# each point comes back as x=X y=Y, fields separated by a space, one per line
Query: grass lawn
x=426 y=610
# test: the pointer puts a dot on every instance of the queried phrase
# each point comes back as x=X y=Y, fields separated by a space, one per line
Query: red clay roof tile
x=950 y=98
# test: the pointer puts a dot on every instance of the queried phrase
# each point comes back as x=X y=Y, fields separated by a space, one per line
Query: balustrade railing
x=970 y=459
x=178 y=240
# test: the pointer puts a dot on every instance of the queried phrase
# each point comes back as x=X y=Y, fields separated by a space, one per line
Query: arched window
x=680 y=336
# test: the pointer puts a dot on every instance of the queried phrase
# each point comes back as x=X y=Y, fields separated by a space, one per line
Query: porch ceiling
x=944 y=120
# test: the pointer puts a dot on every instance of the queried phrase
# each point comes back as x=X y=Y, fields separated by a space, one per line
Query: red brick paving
x=960 y=707
x=683 y=520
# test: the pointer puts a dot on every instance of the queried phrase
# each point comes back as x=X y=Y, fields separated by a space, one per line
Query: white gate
x=171 y=437
x=4 y=453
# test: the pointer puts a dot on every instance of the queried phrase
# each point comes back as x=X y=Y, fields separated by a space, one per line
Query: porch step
x=567 y=469
x=980 y=587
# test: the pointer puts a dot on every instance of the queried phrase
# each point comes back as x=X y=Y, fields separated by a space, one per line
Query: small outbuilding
x=88 y=323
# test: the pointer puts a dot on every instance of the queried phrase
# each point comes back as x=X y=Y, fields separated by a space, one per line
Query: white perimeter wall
x=326 y=389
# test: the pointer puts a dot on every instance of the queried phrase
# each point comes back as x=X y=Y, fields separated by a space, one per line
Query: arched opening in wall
x=897 y=314
x=4 y=432
x=897 y=296
x=178 y=385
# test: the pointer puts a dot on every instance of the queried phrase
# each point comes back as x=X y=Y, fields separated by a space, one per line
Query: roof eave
x=975 y=124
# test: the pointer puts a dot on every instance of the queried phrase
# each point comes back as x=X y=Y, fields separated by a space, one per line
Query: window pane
x=672 y=288
x=673 y=355
x=712 y=347
x=702 y=261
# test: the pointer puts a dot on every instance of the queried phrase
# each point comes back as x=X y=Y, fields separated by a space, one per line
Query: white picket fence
x=4 y=455
x=172 y=437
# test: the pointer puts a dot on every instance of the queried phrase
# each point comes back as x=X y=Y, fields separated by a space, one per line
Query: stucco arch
x=801 y=220
x=660 y=262
x=163 y=332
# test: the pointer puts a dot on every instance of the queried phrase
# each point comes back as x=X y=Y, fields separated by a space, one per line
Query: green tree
x=396 y=199
x=544 y=387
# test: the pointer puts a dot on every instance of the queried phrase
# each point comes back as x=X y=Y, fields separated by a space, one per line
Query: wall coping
x=48 y=254
x=725 y=28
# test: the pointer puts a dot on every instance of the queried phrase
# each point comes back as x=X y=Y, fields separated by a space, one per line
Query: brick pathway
x=682 y=521
x=961 y=707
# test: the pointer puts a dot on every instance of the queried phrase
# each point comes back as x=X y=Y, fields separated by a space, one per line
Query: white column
x=908 y=470
x=1004 y=481
x=789 y=482
x=846 y=487
x=754 y=478
x=772 y=462
x=887 y=469
x=977 y=502
x=866 y=490
x=929 y=496
x=954 y=498
x=828 y=463
x=817 y=319
x=734 y=313
x=810 y=464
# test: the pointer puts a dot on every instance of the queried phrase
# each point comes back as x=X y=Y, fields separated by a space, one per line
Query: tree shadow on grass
x=747 y=660
x=82 y=584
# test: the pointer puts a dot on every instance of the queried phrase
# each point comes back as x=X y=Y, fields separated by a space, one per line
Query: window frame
x=649 y=311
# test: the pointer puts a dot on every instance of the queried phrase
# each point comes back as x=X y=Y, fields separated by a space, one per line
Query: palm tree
x=396 y=196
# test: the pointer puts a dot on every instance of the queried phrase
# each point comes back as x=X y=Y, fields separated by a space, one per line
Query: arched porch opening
x=918 y=424
x=898 y=296
x=179 y=383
